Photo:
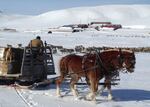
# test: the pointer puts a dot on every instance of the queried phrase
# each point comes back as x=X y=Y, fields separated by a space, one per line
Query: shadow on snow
x=130 y=94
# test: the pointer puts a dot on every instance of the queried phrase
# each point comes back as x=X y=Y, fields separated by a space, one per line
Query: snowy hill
x=6 y=19
x=127 y=15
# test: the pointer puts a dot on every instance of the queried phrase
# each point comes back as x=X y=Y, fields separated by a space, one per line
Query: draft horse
x=106 y=69
x=94 y=67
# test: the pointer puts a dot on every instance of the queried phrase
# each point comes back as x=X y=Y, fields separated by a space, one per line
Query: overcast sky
x=33 y=7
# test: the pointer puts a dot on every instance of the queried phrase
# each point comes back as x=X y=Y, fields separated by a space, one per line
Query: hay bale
x=5 y=67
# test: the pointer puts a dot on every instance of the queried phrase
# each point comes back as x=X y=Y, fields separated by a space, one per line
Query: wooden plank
x=9 y=76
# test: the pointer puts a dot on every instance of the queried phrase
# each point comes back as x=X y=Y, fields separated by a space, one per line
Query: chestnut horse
x=94 y=67
x=72 y=65
x=107 y=69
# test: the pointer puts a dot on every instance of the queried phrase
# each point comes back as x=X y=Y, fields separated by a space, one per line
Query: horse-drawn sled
x=26 y=65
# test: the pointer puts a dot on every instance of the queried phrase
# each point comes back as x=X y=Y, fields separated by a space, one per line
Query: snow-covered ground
x=133 y=90
x=121 y=38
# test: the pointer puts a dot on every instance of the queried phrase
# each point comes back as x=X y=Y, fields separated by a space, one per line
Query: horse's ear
x=133 y=51
x=120 y=50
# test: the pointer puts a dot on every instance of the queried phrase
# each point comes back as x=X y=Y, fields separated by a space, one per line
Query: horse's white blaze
x=124 y=64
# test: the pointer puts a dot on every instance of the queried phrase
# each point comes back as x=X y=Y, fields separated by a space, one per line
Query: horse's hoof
x=77 y=98
x=87 y=99
x=90 y=98
x=110 y=97
x=59 y=95
x=99 y=93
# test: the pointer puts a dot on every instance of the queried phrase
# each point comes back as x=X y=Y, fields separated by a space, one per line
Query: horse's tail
x=63 y=66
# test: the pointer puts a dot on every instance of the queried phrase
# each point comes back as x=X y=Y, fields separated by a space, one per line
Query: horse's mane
x=116 y=49
x=125 y=50
x=108 y=50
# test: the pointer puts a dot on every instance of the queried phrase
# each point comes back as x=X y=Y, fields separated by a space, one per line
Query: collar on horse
x=99 y=64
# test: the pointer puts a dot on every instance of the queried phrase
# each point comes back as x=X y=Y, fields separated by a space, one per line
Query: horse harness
x=99 y=64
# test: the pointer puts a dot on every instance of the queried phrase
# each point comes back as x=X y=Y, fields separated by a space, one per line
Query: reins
x=84 y=70
x=99 y=61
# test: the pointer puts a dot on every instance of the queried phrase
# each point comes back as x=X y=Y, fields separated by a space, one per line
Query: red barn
x=100 y=23
x=114 y=26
